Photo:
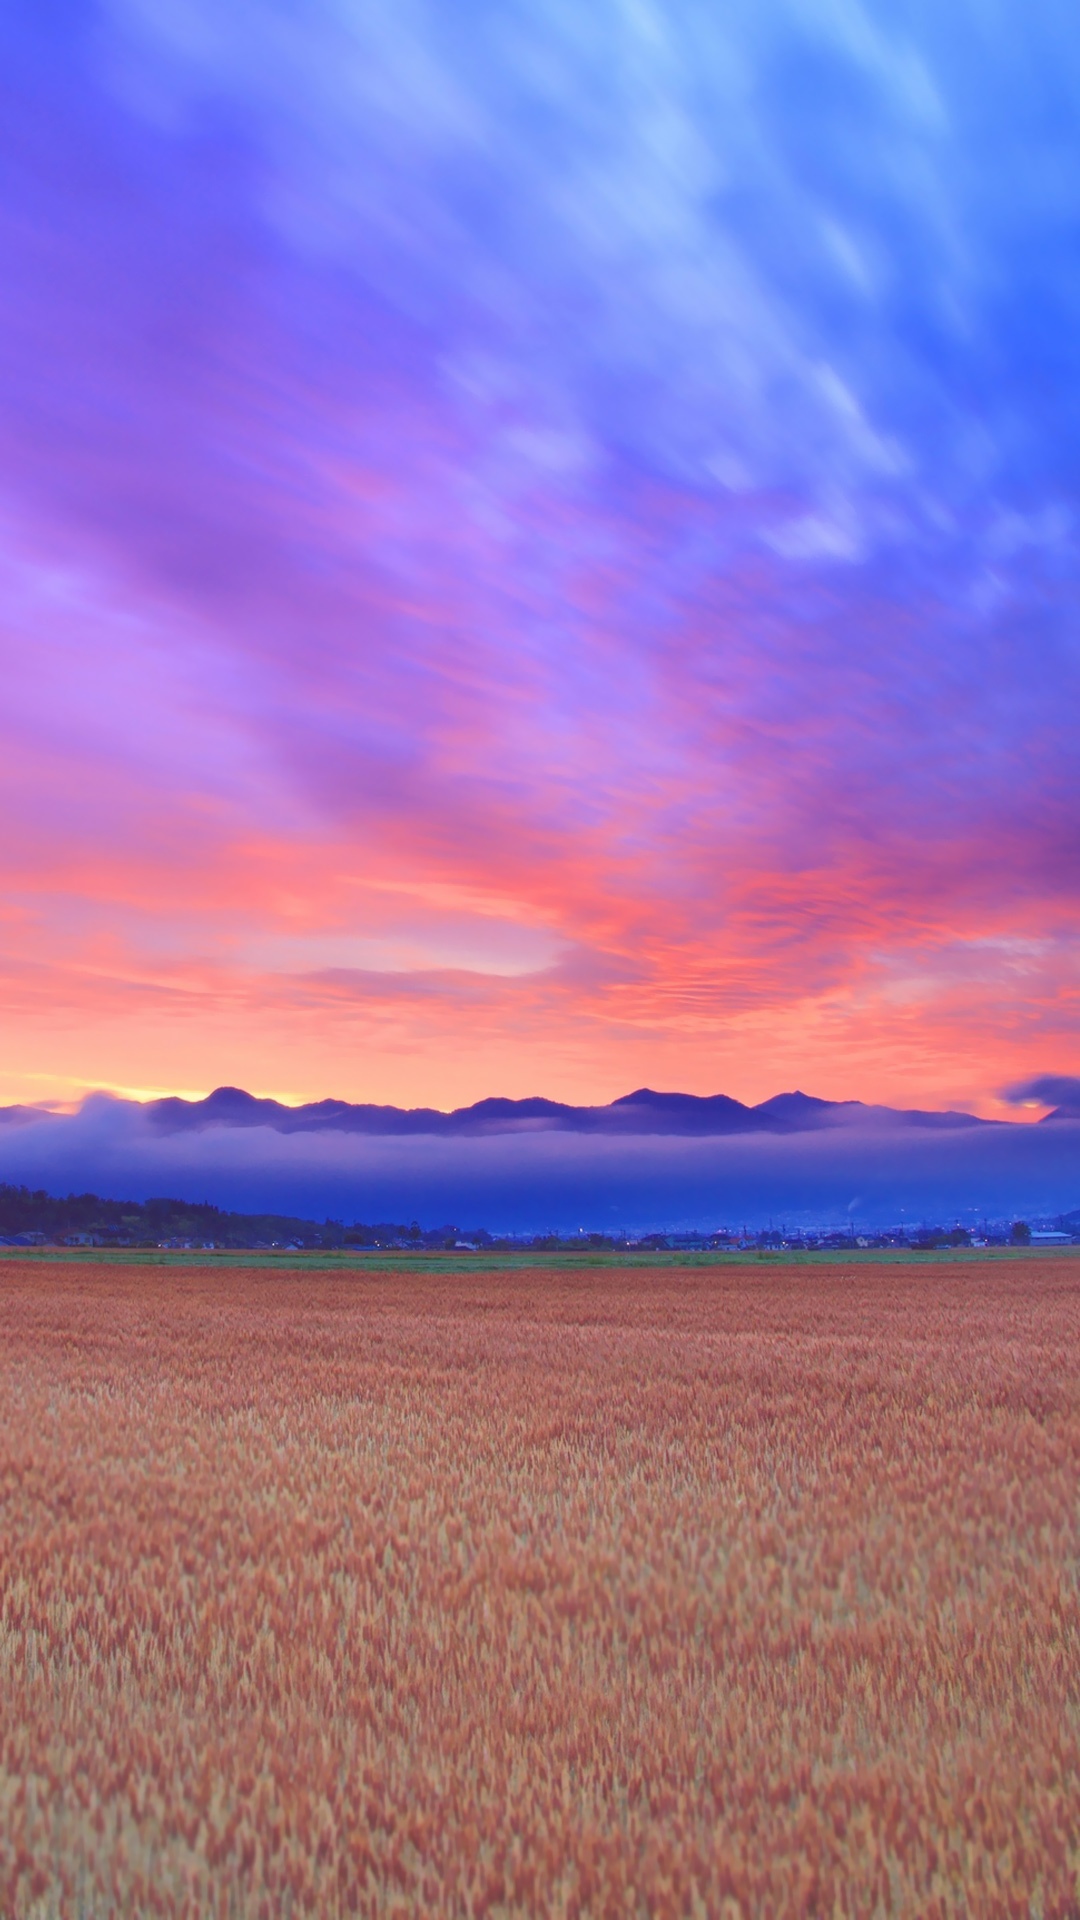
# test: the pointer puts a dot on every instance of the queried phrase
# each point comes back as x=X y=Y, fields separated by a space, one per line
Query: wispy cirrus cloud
x=569 y=517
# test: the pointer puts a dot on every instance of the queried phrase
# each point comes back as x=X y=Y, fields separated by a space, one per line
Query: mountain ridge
x=645 y=1111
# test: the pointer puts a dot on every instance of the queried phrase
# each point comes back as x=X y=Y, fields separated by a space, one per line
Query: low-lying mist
x=862 y=1169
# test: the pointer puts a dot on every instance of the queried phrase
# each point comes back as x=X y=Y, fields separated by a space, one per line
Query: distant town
x=34 y=1218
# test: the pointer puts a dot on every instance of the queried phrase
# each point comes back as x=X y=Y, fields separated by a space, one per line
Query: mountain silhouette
x=643 y=1112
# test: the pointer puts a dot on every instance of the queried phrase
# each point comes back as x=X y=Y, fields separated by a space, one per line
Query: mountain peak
x=799 y=1103
x=645 y=1111
x=679 y=1102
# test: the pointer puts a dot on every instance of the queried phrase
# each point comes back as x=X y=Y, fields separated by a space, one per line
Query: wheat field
x=742 y=1591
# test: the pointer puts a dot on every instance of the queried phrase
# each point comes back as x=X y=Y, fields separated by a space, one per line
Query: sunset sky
x=538 y=548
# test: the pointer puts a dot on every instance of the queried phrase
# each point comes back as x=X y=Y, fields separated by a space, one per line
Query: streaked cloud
x=537 y=549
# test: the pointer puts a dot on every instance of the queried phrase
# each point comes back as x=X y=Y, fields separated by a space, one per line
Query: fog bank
x=866 y=1170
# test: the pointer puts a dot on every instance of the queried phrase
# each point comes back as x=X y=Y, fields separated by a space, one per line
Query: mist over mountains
x=642 y=1112
x=648 y=1161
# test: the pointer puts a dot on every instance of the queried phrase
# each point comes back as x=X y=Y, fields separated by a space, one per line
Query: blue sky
x=538 y=549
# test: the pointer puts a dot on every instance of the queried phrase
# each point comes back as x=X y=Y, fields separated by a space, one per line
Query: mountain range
x=642 y=1112
x=646 y=1160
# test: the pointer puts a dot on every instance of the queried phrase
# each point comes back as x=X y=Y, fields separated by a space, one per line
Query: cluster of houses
x=1063 y=1232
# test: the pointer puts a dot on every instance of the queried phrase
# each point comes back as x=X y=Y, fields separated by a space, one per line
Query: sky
x=538 y=549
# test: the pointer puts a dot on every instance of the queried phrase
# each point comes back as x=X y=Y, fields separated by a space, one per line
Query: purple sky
x=538 y=548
